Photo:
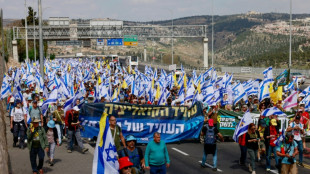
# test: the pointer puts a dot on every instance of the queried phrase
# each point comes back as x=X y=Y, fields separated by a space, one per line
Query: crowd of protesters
x=46 y=129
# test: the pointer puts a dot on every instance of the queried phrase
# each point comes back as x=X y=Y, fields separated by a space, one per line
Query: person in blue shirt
x=156 y=156
x=287 y=150
x=134 y=153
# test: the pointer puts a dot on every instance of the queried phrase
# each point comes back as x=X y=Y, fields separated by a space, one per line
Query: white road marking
x=207 y=164
x=180 y=151
x=91 y=150
x=274 y=171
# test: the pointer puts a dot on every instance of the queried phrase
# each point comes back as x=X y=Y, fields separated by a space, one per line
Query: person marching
x=252 y=139
x=58 y=117
x=18 y=124
x=37 y=142
x=297 y=130
x=287 y=150
x=210 y=131
x=271 y=134
x=52 y=138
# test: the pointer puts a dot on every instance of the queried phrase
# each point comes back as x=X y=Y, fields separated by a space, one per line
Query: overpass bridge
x=87 y=32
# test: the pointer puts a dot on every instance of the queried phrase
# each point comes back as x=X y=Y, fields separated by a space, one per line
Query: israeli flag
x=263 y=91
x=273 y=111
x=105 y=156
x=239 y=93
x=52 y=98
x=243 y=125
x=280 y=138
x=268 y=75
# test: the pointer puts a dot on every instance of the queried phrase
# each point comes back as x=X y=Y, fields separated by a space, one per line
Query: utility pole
x=2 y=39
x=212 y=44
x=34 y=36
x=290 y=52
x=172 y=40
x=41 y=39
x=26 y=31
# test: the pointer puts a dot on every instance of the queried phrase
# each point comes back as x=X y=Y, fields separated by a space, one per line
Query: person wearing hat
x=134 y=153
x=297 y=130
x=18 y=123
x=271 y=133
x=261 y=125
x=73 y=124
x=52 y=138
x=35 y=111
x=37 y=142
x=287 y=150
x=59 y=117
x=210 y=131
x=125 y=166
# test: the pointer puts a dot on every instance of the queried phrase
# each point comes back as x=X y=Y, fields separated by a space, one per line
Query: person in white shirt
x=297 y=129
x=18 y=124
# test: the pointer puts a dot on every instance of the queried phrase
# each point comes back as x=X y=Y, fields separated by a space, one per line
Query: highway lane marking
x=274 y=171
x=180 y=151
x=209 y=165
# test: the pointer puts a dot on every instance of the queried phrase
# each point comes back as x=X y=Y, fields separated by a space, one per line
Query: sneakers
x=69 y=151
x=41 y=171
x=214 y=169
x=250 y=168
x=253 y=172
x=268 y=170
x=85 y=150
x=203 y=166
x=300 y=164
x=51 y=163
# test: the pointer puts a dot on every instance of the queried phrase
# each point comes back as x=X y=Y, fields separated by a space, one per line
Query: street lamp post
x=41 y=39
x=212 y=42
x=34 y=36
x=26 y=30
x=290 y=52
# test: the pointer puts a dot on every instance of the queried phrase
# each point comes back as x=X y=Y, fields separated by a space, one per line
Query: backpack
x=210 y=135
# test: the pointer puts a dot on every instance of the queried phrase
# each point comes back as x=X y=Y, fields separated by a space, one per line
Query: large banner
x=174 y=123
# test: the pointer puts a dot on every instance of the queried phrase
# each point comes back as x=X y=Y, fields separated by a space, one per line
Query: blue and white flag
x=273 y=111
x=239 y=93
x=268 y=77
x=105 y=156
x=280 y=138
x=263 y=91
x=243 y=125
x=52 y=98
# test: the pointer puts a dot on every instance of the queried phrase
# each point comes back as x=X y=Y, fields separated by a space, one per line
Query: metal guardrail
x=275 y=71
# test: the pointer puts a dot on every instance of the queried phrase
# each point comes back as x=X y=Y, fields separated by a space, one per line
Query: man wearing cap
x=156 y=155
x=211 y=132
x=134 y=153
x=271 y=134
x=18 y=123
x=73 y=123
x=296 y=128
x=37 y=141
x=58 y=117
x=125 y=166
x=288 y=150
x=35 y=112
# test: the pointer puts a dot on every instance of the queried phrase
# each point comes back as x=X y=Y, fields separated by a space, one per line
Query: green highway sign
x=130 y=38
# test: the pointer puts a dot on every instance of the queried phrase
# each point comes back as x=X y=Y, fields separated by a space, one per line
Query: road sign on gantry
x=130 y=38
x=131 y=43
x=100 y=42
x=115 y=42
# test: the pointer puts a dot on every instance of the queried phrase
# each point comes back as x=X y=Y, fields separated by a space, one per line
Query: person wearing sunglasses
x=125 y=166
x=134 y=154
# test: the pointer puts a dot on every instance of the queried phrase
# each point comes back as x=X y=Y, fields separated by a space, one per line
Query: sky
x=148 y=10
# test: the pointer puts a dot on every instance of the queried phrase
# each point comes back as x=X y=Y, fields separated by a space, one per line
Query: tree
x=31 y=15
